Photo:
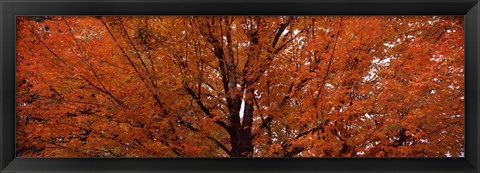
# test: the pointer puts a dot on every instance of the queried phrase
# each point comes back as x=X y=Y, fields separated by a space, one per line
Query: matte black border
x=9 y=9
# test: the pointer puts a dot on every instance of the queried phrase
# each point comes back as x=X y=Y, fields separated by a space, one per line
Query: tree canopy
x=240 y=86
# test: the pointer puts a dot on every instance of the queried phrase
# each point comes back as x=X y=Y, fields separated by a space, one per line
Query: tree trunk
x=241 y=138
x=241 y=131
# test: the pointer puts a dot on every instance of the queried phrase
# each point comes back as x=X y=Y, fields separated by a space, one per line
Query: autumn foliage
x=243 y=86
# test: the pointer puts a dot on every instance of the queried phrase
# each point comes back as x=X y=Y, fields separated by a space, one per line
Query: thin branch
x=331 y=60
x=123 y=51
x=134 y=47
x=204 y=108
x=219 y=144
x=105 y=92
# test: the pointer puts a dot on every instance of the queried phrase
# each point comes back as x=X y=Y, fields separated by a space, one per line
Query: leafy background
x=240 y=86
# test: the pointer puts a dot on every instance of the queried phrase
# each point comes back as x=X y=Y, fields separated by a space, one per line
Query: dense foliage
x=205 y=86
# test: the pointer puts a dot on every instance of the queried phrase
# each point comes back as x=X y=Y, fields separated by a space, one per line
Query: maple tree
x=240 y=86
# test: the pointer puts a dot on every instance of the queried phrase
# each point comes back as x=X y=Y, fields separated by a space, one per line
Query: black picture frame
x=470 y=9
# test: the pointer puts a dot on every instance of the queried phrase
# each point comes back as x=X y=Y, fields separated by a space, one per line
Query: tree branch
x=219 y=144
x=204 y=108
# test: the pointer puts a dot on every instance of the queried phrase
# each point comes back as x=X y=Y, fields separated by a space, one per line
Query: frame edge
x=7 y=148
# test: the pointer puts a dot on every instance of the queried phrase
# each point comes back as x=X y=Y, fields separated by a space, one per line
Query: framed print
x=239 y=86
